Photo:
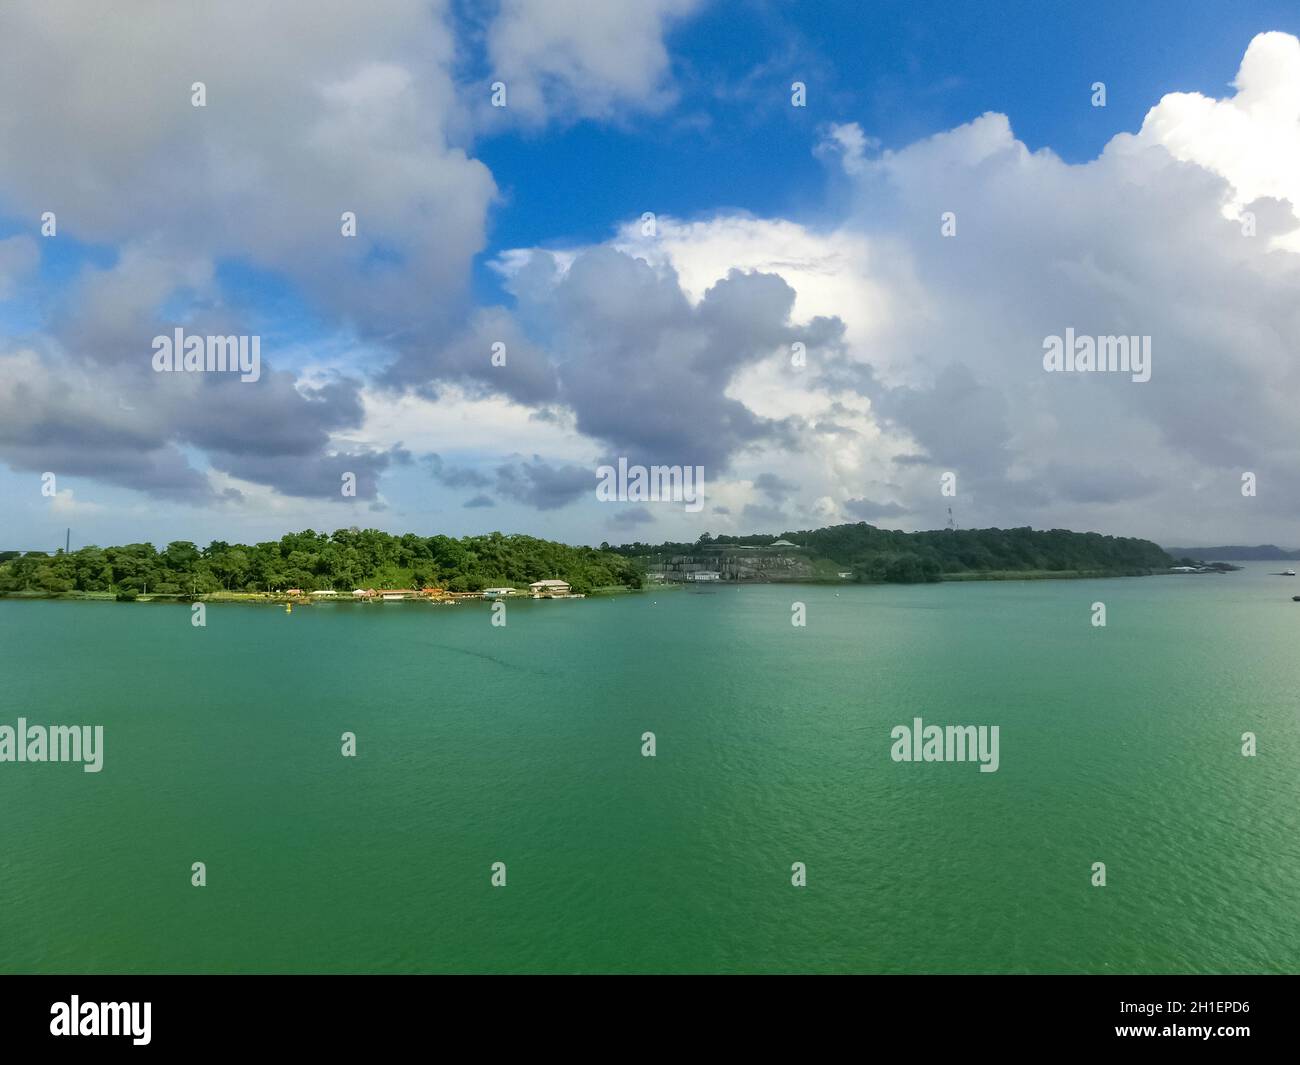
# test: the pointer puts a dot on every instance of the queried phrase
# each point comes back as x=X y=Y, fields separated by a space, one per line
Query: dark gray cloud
x=490 y=354
x=1099 y=482
x=541 y=485
x=272 y=417
x=354 y=114
x=479 y=501
x=768 y=517
x=102 y=410
x=317 y=476
x=455 y=476
x=775 y=488
x=628 y=517
x=868 y=509
x=961 y=422
x=161 y=472
x=646 y=371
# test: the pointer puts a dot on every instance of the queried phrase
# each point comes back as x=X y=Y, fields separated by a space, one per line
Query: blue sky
x=170 y=215
x=905 y=72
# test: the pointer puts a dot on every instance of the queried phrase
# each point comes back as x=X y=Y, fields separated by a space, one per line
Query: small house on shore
x=549 y=589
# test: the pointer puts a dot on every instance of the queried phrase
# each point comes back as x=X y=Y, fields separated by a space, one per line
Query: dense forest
x=357 y=558
x=901 y=557
x=348 y=559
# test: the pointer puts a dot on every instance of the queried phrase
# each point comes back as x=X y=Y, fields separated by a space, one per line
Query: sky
x=817 y=250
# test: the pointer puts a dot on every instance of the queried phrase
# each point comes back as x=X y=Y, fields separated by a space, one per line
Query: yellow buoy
x=288 y=608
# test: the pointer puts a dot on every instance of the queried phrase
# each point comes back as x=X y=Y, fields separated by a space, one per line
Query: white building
x=543 y=589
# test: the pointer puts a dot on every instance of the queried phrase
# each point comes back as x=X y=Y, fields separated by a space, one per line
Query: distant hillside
x=899 y=557
x=1259 y=553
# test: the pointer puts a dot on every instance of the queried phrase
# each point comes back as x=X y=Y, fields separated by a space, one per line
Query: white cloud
x=1253 y=138
x=1134 y=242
x=846 y=142
x=940 y=366
x=312 y=109
x=460 y=420
x=678 y=345
x=64 y=505
x=575 y=59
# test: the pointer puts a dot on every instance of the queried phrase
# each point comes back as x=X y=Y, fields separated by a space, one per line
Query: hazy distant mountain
x=1262 y=552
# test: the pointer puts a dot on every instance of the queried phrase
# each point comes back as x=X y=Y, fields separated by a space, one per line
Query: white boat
x=1288 y=573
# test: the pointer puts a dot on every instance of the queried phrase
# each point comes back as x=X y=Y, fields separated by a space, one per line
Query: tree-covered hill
x=355 y=558
x=348 y=559
x=885 y=555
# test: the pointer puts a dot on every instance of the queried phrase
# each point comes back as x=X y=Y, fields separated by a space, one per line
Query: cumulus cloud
x=572 y=59
x=455 y=476
x=930 y=355
x=540 y=484
x=311 y=110
x=66 y=505
x=775 y=488
x=55 y=417
x=90 y=402
x=631 y=516
x=1251 y=139
x=491 y=354
x=645 y=369
x=923 y=352
x=349 y=108
x=1134 y=243
x=763 y=516
x=870 y=510
x=846 y=143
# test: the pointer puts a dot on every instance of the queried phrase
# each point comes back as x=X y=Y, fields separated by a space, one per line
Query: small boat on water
x=1287 y=573
x=1295 y=599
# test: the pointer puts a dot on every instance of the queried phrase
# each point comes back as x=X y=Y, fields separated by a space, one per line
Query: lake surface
x=523 y=745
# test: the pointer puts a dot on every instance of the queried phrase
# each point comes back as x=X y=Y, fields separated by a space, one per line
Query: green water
x=523 y=745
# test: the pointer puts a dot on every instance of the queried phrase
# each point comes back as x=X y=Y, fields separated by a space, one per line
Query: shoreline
x=279 y=598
